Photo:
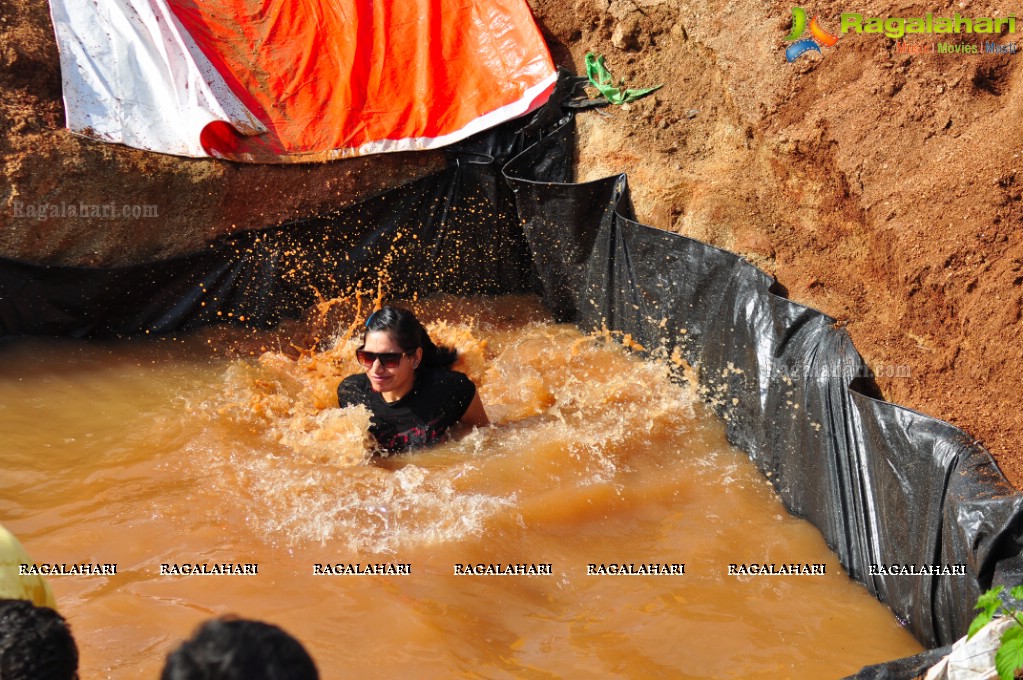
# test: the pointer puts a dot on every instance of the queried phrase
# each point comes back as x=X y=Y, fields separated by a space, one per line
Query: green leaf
x=989 y=603
x=991 y=600
x=1016 y=593
x=1009 y=656
x=982 y=620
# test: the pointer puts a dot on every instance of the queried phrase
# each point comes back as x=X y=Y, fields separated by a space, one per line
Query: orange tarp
x=348 y=77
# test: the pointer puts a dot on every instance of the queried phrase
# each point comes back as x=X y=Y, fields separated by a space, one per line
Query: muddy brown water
x=171 y=452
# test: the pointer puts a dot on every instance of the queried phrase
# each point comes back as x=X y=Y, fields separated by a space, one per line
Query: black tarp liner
x=455 y=231
x=903 y=669
x=884 y=484
x=425 y=235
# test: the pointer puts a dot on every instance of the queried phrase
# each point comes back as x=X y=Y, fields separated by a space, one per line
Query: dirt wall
x=880 y=187
x=139 y=206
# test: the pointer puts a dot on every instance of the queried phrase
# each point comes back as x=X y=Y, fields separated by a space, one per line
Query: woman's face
x=392 y=382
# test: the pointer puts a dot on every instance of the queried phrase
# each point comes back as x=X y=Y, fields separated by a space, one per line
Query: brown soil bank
x=881 y=188
x=183 y=203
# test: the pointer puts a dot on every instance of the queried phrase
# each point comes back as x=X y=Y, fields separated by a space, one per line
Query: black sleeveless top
x=438 y=399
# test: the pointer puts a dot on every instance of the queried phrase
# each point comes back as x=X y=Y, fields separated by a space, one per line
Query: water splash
x=569 y=410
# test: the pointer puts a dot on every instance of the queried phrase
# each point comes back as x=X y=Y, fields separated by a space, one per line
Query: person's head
x=35 y=643
x=398 y=335
x=230 y=648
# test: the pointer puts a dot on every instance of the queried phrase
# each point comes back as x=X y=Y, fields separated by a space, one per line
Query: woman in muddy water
x=409 y=388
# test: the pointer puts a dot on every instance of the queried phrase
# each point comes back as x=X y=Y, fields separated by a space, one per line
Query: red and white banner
x=279 y=81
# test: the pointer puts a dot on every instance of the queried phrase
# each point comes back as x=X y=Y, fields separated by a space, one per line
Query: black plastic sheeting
x=884 y=484
x=454 y=231
x=903 y=669
x=425 y=235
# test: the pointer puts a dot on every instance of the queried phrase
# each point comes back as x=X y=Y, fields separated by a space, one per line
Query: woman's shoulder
x=453 y=388
x=353 y=389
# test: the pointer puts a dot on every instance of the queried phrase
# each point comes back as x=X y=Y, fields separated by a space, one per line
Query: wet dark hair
x=35 y=643
x=231 y=648
x=406 y=330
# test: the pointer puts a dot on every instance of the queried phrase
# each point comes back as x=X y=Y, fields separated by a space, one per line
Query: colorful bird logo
x=819 y=38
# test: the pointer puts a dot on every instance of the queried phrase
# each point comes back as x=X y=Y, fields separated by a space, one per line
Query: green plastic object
x=798 y=23
x=602 y=79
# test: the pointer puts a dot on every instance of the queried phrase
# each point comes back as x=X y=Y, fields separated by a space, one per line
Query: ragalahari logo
x=818 y=36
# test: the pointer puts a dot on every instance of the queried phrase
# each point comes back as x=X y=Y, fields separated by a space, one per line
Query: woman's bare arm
x=475 y=415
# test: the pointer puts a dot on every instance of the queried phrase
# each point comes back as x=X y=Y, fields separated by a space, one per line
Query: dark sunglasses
x=387 y=359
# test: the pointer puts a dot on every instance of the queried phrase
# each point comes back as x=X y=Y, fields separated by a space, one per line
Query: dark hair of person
x=35 y=643
x=231 y=648
x=406 y=330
